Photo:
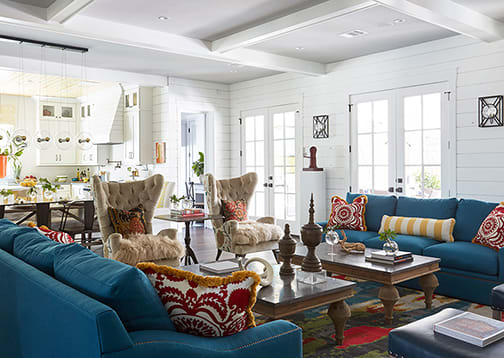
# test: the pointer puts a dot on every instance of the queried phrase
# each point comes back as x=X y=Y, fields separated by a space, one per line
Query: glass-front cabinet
x=57 y=111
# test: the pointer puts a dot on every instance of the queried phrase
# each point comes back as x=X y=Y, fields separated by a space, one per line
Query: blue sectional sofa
x=468 y=271
x=62 y=301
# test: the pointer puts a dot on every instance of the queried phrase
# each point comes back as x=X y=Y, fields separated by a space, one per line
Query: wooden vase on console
x=311 y=235
x=287 y=248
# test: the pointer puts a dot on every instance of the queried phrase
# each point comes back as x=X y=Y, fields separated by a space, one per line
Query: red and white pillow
x=205 y=306
x=491 y=231
x=348 y=216
x=234 y=210
x=58 y=236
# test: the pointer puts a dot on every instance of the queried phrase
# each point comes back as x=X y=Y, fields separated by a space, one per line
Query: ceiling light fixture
x=164 y=18
x=299 y=48
x=398 y=21
x=18 y=40
x=353 y=33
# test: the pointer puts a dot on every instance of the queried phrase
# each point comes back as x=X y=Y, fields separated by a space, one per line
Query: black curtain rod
x=44 y=44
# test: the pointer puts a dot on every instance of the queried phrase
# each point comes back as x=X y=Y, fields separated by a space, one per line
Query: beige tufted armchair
x=126 y=196
x=240 y=238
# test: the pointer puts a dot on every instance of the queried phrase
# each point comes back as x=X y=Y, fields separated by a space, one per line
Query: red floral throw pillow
x=234 y=210
x=128 y=222
x=348 y=216
x=58 y=236
x=491 y=231
x=205 y=306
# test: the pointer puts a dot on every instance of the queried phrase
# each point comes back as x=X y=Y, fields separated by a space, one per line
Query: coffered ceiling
x=230 y=41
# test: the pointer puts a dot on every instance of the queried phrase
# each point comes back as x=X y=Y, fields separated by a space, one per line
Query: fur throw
x=252 y=232
x=147 y=247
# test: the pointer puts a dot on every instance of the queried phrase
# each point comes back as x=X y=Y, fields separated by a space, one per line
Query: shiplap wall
x=472 y=68
x=183 y=95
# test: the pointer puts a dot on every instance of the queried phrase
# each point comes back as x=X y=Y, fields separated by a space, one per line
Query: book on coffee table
x=472 y=328
x=220 y=267
x=388 y=262
x=398 y=255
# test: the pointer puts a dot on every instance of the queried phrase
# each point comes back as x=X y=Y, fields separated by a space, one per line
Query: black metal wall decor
x=490 y=112
x=321 y=126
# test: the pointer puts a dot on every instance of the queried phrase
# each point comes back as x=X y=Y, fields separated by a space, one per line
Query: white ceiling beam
x=451 y=16
x=84 y=27
x=62 y=10
x=292 y=22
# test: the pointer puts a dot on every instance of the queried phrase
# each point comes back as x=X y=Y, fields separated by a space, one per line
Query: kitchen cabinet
x=57 y=111
x=58 y=153
x=138 y=144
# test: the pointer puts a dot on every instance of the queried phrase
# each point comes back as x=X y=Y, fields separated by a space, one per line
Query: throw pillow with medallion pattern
x=349 y=216
x=205 y=306
x=491 y=231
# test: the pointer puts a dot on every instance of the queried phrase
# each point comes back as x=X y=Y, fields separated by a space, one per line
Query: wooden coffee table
x=355 y=265
x=286 y=296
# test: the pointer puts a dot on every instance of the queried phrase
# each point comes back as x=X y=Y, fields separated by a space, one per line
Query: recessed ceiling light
x=233 y=70
x=300 y=48
x=398 y=21
x=353 y=33
x=164 y=18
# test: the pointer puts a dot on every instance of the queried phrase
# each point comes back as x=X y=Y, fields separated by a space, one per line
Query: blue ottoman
x=418 y=340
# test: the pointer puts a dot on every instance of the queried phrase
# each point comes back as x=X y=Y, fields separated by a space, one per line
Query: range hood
x=106 y=122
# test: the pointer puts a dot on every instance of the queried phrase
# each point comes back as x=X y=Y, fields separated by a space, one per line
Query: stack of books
x=389 y=259
x=187 y=213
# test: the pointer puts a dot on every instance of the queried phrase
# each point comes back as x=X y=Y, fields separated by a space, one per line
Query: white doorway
x=400 y=142
x=192 y=143
x=268 y=147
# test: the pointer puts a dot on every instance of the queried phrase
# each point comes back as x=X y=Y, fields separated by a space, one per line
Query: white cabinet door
x=47 y=156
x=68 y=156
x=130 y=136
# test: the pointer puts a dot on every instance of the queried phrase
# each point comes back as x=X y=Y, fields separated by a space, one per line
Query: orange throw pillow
x=491 y=231
x=348 y=216
x=234 y=210
x=205 y=306
x=128 y=222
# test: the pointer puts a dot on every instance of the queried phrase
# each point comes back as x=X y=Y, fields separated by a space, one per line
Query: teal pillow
x=35 y=249
x=122 y=287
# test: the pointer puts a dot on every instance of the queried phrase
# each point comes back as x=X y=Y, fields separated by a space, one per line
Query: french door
x=400 y=142
x=269 y=149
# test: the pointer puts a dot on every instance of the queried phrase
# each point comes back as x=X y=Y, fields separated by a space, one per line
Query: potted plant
x=198 y=166
x=176 y=200
x=390 y=246
x=14 y=152
x=48 y=189
x=6 y=193
x=32 y=193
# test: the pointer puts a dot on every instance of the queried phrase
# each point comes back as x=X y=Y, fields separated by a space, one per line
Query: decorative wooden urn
x=311 y=235
x=287 y=248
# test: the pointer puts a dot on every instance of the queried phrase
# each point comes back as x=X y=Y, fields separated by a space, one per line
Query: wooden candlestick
x=311 y=235
x=287 y=248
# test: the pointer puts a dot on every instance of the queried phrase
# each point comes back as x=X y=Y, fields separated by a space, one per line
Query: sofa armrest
x=266 y=220
x=500 y=254
x=171 y=233
x=271 y=340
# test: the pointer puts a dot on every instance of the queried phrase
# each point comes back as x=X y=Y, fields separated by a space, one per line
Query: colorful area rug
x=366 y=331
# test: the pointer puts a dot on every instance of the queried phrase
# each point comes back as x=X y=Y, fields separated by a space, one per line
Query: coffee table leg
x=339 y=312
x=428 y=283
x=389 y=295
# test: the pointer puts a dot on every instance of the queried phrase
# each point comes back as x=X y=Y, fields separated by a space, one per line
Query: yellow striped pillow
x=441 y=230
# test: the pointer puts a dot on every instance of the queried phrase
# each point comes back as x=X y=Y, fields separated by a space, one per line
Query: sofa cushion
x=35 y=249
x=348 y=215
x=358 y=236
x=466 y=256
x=470 y=215
x=376 y=207
x=437 y=229
x=414 y=244
x=426 y=208
x=8 y=233
x=122 y=287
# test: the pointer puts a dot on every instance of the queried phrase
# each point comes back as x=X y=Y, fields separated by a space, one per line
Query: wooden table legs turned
x=428 y=283
x=389 y=295
x=339 y=312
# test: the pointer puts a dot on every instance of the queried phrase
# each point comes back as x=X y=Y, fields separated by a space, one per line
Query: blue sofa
x=468 y=271
x=61 y=301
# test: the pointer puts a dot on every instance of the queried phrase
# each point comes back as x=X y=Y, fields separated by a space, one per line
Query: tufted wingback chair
x=239 y=188
x=126 y=196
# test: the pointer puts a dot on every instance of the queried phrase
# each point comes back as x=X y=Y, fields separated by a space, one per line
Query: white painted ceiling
x=323 y=43
x=202 y=19
x=492 y=8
